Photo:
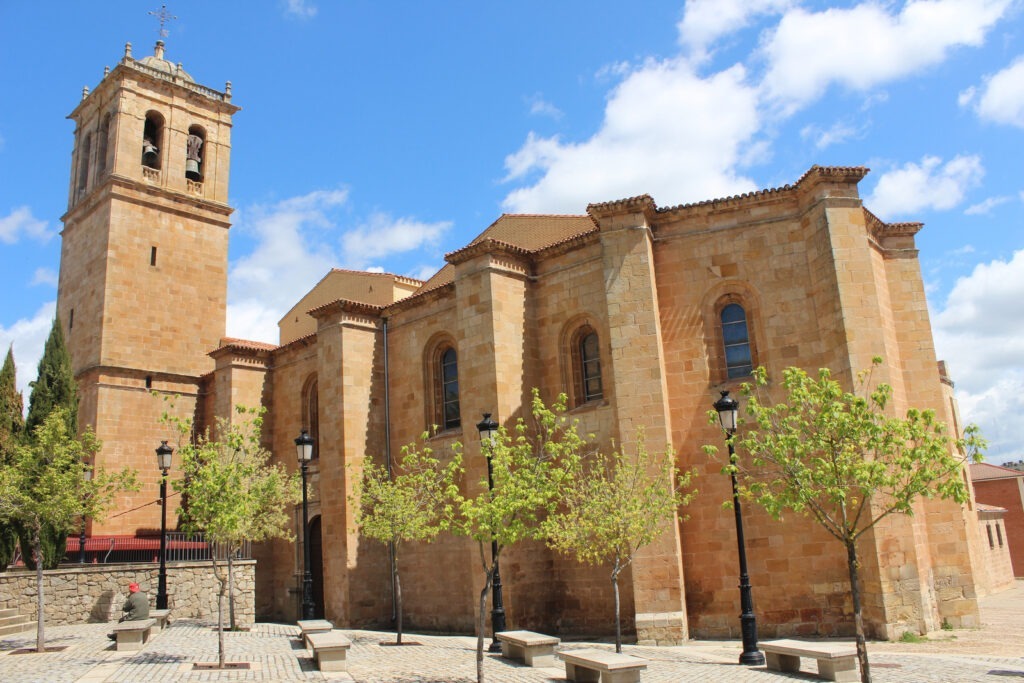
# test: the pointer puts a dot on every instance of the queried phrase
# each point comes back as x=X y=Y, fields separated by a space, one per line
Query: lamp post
x=304 y=451
x=163 y=461
x=727 y=410
x=86 y=477
x=488 y=429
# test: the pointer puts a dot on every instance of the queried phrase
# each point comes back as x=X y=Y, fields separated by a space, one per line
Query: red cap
x=133 y=587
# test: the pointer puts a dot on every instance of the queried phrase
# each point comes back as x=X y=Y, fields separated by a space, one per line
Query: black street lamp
x=86 y=477
x=727 y=410
x=163 y=461
x=304 y=451
x=488 y=429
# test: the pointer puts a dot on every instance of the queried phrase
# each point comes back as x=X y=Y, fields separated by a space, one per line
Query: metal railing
x=181 y=547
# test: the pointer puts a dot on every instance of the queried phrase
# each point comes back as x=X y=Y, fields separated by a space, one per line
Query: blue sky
x=382 y=135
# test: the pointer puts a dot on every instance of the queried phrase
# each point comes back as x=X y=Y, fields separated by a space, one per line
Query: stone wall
x=95 y=593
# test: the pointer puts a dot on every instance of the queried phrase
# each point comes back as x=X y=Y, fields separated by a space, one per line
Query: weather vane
x=163 y=16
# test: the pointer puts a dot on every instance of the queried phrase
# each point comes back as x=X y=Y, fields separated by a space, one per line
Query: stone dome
x=157 y=61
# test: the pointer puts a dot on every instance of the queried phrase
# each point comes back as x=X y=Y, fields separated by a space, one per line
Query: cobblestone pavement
x=992 y=653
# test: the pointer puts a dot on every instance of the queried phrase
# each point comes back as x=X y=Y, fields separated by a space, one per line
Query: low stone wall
x=96 y=592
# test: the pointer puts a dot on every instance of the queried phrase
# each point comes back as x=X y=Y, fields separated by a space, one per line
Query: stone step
x=14 y=624
x=8 y=613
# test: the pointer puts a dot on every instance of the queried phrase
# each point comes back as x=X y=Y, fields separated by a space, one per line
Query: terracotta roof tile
x=981 y=471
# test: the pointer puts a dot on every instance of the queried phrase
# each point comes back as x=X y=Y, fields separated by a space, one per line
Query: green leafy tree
x=55 y=385
x=44 y=488
x=234 y=494
x=529 y=468
x=415 y=503
x=54 y=389
x=615 y=505
x=12 y=426
x=843 y=459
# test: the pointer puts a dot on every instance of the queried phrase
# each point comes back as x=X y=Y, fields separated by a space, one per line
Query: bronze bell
x=192 y=170
x=149 y=154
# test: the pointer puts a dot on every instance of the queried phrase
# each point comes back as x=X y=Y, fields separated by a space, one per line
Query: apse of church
x=641 y=314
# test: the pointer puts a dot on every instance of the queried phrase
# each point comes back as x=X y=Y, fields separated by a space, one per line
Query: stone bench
x=132 y=635
x=162 y=616
x=600 y=665
x=330 y=649
x=309 y=626
x=836 y=661
x=533 y=649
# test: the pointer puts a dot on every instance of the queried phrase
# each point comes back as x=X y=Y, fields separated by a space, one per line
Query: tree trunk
x=481 y=626
x=858 y=617
x=231 y=592
x=220 y=613
x=618 y=621
x=37 y=549
x=398 y=596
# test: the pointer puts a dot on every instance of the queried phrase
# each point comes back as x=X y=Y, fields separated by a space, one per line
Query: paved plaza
x=274 y=652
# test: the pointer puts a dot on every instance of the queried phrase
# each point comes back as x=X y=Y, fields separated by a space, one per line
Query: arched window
x=736 y=338
x=194 y=153
x=311 y=413
x=152 y=139
x=446 y=388
x=585 y=350
x=83 y=163
x=101 y=151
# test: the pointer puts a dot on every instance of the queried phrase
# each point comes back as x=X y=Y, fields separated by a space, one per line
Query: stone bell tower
x=144 y=258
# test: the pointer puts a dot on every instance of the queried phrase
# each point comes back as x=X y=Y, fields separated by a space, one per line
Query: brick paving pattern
x=274 y=652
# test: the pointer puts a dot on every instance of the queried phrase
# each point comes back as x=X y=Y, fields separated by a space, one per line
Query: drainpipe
x=387 y=461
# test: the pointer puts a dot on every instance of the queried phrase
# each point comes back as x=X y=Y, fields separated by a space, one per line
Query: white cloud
x=980 y=333
x=298 y=241
x=837 y=133
x=300 y=8
x=382 y=235
x=1002 y=98
x=707 y=21
x=20 y=222
x=867 y=45
x=44 y=276
x=28 y=336
x=666 y=132
x=928 y=185
x=984 y=208
x=541 y=107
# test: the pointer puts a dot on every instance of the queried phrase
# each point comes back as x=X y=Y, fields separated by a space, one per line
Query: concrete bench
x=330 y=649
x=162 y=616
x=600 y=665
x=836 y=661
x=533 y=649
x=309 y=626
x=132 y=635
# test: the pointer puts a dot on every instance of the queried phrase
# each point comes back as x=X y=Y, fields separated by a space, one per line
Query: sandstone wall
x=95 y=593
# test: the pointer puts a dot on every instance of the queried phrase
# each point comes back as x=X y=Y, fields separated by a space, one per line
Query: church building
x=642 y=314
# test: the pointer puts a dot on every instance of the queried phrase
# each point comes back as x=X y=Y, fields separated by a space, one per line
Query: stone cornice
x=641 y=204
x=349 y=312
x=486 y=246
x=145 y=194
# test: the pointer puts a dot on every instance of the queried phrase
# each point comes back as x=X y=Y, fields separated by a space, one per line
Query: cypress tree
x=55 y=385
x=12 y=421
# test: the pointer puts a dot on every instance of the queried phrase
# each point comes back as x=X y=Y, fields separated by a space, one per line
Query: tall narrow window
x=738 y=361
x=152 y=138
x=152 y=256
x=448 y=383
x=101 y=151
x=83 y=163
x=999 y=534
x=991 y=543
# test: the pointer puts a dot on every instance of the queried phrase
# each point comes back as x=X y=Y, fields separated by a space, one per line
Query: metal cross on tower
x=163 y=16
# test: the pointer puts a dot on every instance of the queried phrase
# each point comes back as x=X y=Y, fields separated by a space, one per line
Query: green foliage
x=12 y=422
x=841 y=458
x=946 y=626
x=911 y=637
x=8 y=545
x=52 y=545
x=55 y=385
x=415 y=504
x=234 y=493
x=43 y=488
x=613 y=506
